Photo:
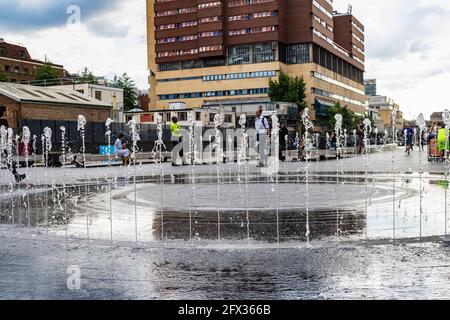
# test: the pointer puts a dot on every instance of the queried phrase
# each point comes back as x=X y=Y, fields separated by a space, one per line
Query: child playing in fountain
x=12 y=165
x=121 y=149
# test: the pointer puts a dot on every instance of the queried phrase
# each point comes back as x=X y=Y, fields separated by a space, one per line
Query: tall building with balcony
x=17 y=64
x=201 y=50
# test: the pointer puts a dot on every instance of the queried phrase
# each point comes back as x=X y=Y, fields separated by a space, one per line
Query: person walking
x=409 y=135
x=176 y=139
x=12 y=165
x=120 y=149
x=262 y=128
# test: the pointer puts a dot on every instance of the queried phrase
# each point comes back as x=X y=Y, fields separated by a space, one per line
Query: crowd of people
x=435 y=136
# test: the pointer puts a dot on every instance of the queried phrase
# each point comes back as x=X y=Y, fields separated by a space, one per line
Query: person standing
x=361 y=139
x=176 y=138
x=10 y=164
x=284 y=138
x=262 y=132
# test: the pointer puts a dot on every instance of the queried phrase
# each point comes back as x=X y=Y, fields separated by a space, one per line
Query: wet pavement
x=229 y=231
x=38 y=269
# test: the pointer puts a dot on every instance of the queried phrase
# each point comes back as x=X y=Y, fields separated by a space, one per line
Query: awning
x=322 y=106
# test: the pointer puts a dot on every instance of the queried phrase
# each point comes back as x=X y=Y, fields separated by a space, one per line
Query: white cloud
x=406 y=44
x=112 y=42
x=407 y=50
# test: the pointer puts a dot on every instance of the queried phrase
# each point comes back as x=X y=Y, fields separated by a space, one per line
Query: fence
x=95 y=134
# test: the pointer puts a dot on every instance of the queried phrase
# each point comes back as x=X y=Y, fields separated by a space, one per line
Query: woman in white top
x=120 y=149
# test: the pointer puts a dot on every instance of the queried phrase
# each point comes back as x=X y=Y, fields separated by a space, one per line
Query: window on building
x=182 y=116
x=211 y=117
x=26 y=71
x=228 y=118
x=3 y=51
x=263 y=52
x=22 y=55
x=98 y=95
x=239 y=54
x=16 y=69
x=81 y=91
x=297 y=53
x=198 y=116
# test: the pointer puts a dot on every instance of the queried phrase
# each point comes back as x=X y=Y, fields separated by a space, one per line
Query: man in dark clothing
x=409 y=136
x=12 y=165
x=284 y=137
x=361 y=139
x=3 y=122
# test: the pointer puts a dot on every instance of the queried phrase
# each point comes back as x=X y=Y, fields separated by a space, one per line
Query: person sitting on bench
x=121 y=149
x=77 y=163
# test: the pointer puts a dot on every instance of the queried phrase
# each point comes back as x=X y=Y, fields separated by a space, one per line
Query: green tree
x=351 y=121
x=86 y=76
x=288 y=89
x=46 y=73
x=3 y=77
x=130 y=96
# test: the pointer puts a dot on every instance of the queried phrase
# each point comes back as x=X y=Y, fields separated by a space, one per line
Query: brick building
x=18 y=66
x=25 y=102
x=201 y=50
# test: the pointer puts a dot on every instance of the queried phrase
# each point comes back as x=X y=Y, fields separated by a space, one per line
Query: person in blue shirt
x=409 y=137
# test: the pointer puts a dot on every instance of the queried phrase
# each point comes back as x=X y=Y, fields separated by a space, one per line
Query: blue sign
x=107 y=150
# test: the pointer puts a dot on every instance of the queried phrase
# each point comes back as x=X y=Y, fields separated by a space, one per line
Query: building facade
x=200 y=50
x=25 y=102
x=111 y=95
x=385 y=107
x=18 y=66
x=371 y=87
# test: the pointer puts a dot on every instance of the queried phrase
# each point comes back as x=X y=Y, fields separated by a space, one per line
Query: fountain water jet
x=81 y=129
x=135 y=138
x=275 y=166
x=26 y=136
x=394 y=141
x=338 y=130
x=64 y=160
x=421 y=123
x=219 y=154
x=108 y=123
x=446 y=118
x=192 y=149
x=47 y=145
x=10 y=160
x=307 y=123
x=367 y=130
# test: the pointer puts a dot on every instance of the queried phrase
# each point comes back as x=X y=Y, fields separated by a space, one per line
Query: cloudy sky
x=407 y=41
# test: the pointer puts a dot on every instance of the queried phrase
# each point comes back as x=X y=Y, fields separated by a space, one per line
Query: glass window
x=239 y=54
x=263 y=52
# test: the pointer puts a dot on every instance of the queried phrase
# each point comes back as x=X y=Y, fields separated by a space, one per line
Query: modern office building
x=371 y=87
x=200 y=50
x=385 y=107
x=18 y=66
